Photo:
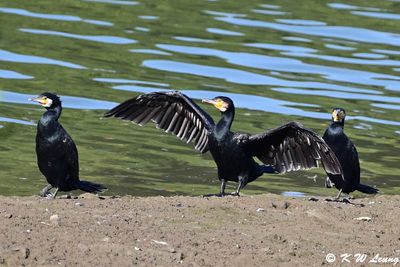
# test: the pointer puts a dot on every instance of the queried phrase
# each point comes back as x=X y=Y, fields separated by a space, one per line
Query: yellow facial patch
x=43 y=101
x=221 y=105
x=338 y=115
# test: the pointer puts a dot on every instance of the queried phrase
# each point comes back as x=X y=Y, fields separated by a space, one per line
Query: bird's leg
x=52 y=196
x=45 y=191
x=222 y=188
x=221 y=192
x=328 y=183
x=339 y=194
x=239 y=187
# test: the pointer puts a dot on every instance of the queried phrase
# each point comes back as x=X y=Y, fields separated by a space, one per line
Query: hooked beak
x=38 y=99
x=209 y=101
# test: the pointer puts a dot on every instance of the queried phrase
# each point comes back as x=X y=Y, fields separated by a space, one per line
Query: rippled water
x=278 y=61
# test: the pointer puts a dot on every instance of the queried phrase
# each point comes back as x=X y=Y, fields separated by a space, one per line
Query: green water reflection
x=319 y=53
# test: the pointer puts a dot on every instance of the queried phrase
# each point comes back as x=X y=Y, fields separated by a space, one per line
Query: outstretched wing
x=171 y=111
x=292 y=147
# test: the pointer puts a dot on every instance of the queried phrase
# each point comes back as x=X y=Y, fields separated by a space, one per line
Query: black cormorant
x=57 y=156
x=347 y=155
x=287 y=148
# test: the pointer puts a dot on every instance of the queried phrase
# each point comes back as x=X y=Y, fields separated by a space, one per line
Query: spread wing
x=292 y=147
x=171 y=111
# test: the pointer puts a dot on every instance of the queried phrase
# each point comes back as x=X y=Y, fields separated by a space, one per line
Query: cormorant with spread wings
x=290 y=147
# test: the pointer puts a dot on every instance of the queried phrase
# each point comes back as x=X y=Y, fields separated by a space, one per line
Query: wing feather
x=171 y=111
x=292 y=147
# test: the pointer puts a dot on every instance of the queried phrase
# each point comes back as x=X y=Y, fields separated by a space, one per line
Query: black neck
x=225 y=123
x=337 y=124
x=52 y=114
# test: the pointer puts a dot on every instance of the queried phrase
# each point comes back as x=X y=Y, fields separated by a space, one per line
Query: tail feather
x=91 y=187
x=367 y=189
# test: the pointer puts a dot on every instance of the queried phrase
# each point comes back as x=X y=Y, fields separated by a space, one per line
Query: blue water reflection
x=269 y=12
x=284 y=65
x=192 y=39
x=293 y=194
x=224 y=32
x=23 y=12
x=96 y=38
x=115 y=2
x=4 y=119
x=125 y=81
x=378 y=15
x=20 y=58
x=241 y=101
x=266 y=104
x=68 y=101
x=150 y=51
x=344 y=32
x=9 y=74
x=351 y=7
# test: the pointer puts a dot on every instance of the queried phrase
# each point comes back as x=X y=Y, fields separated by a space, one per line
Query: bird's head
x=338 y=115
x=47 y=100
x=222 y=103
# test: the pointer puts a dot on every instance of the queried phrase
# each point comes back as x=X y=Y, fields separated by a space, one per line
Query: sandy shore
x=262 y=230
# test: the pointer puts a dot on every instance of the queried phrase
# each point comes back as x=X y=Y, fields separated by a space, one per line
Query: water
x=278 y=61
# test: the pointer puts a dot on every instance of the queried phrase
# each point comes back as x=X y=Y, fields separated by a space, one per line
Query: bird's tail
x=367 y=189
x=91 y=187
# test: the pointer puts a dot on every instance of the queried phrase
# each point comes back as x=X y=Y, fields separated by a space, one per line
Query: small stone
x=26 y=252
x=106 y=239
x=136 y=248
x=260 y=209
x=180 y=256
x=313 y=199
x=286 y=205
x=363 y=218
x=78 y=204
x=55 y=219
x=8 y=215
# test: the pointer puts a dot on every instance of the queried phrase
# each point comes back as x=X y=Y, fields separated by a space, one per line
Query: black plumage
x=347 y=155
x=57 y=156
x=288 y=148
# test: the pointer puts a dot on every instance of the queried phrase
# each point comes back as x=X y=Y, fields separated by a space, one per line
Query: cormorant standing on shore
x=57 y=156
x=347 y=155
x=287 y=148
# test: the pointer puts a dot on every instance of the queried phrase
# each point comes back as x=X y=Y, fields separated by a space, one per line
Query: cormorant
x=347 y=155
x=57 y=156
x=290 y=147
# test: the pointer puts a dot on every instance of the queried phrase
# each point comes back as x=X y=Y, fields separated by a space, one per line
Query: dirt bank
x=263 y=230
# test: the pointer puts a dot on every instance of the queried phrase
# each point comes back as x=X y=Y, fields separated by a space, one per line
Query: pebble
x=363 y=218
x=55 y=219
x=260 y=209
